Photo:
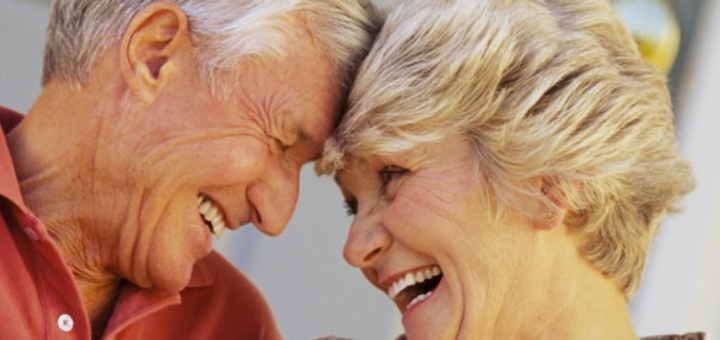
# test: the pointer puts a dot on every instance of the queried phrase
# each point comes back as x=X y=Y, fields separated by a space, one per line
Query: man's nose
x=274 y=197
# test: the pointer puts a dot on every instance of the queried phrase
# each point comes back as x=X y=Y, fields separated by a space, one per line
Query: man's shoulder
x=217 y=281
x=218 y=272
x=219 y=303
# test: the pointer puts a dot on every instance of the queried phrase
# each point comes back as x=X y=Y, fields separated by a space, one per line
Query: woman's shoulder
x=686 y=336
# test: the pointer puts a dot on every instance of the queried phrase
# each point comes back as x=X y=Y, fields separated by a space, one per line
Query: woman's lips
x=412 y=287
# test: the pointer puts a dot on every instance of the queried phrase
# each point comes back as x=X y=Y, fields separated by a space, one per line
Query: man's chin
x=170 y=281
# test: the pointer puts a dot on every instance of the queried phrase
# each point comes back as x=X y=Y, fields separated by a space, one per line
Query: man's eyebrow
x=309 y=139
x=305 y=136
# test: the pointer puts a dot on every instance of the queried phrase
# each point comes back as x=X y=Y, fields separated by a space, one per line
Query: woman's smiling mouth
x=414 y=287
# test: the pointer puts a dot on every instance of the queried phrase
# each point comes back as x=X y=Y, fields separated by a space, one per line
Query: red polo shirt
x=39 y=298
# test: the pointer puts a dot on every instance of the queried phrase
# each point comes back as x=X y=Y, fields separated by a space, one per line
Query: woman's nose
x=367 y=241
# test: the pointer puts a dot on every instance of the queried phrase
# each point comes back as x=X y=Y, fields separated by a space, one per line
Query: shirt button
x=27 y=221
x=65 y=323
x=31 y=233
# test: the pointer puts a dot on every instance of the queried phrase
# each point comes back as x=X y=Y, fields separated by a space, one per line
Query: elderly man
x=161 y=124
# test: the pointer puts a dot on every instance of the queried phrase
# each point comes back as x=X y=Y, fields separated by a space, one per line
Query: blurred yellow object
x=655 y=29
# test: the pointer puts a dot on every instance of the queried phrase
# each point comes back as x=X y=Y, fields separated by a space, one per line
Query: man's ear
x=151 y=48
x=554 y=205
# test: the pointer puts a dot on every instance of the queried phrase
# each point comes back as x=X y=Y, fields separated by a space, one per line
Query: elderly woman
x=507 y=164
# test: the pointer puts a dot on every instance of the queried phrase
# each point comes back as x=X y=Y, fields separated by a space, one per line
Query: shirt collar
x=9 y=186
x=201 y=275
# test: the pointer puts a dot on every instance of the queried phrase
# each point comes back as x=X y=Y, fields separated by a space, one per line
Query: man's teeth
x=210 y=212
x=412 y=278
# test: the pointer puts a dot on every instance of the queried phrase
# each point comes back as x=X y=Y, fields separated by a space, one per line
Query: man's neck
x=52 y=151
x=99 y=299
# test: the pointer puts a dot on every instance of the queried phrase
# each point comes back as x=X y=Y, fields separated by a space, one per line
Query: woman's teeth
x=411 y=279
x=419 y=298
x=211 y=214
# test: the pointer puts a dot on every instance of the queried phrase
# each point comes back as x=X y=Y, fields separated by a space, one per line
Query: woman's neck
x=582 y=302
x=559 y=295
x=594 y=308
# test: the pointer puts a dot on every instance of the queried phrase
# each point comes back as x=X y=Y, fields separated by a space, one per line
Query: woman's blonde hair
x=552 y=89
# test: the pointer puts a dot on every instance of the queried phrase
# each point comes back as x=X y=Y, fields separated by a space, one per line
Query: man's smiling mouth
x=211 y=214
x=414 y=287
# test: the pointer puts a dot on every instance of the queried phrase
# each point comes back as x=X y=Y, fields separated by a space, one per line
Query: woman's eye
x=390 y=173
x=351 y=207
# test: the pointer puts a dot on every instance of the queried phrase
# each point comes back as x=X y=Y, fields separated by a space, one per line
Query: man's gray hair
x=223 y=32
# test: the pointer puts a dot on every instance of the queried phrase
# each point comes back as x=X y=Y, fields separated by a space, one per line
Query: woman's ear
x=150 y=49
x=553 y=204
